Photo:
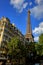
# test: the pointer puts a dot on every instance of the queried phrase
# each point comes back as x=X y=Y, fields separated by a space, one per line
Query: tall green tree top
x=41 y=39
x=39 y=46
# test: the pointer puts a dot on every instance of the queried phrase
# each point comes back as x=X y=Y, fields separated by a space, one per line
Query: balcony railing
x=3 y=58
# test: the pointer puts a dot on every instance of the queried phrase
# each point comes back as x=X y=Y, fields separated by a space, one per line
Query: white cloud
x=41 y=24
x=30 y=3
x=38 y=30
x=19 y=4
x=37 y=11
x=39 y=2
x=36 y=39
x=25 y=5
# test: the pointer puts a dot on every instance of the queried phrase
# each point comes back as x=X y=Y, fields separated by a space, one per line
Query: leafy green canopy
x=39 y=45
x=16 y=47
x=41 y=39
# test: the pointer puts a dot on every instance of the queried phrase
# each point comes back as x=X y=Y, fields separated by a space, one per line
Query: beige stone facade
x=8 y=31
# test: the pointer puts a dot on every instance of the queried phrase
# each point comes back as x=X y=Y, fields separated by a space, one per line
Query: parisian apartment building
x=8 y=31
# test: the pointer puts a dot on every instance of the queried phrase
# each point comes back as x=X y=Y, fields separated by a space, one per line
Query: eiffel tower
x=29 y=35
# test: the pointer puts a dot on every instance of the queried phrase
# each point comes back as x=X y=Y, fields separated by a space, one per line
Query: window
x=8 y=33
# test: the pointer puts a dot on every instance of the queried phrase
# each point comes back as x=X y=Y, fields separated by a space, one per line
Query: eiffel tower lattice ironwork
x=29 y=35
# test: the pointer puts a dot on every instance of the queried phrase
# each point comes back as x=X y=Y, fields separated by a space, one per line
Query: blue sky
x=17 y=12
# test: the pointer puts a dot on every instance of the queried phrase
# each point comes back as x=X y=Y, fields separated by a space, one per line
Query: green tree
x=32 y=47
x=39 y=45
x=12 y=45
x=39 y=49
x=16 y=48
x=41 y=39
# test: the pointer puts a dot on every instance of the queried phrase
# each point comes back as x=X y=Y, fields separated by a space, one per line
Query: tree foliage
x=41 y=39
x=39 y=49
x=16 y=48
x=39 y=45
x=13 y=45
